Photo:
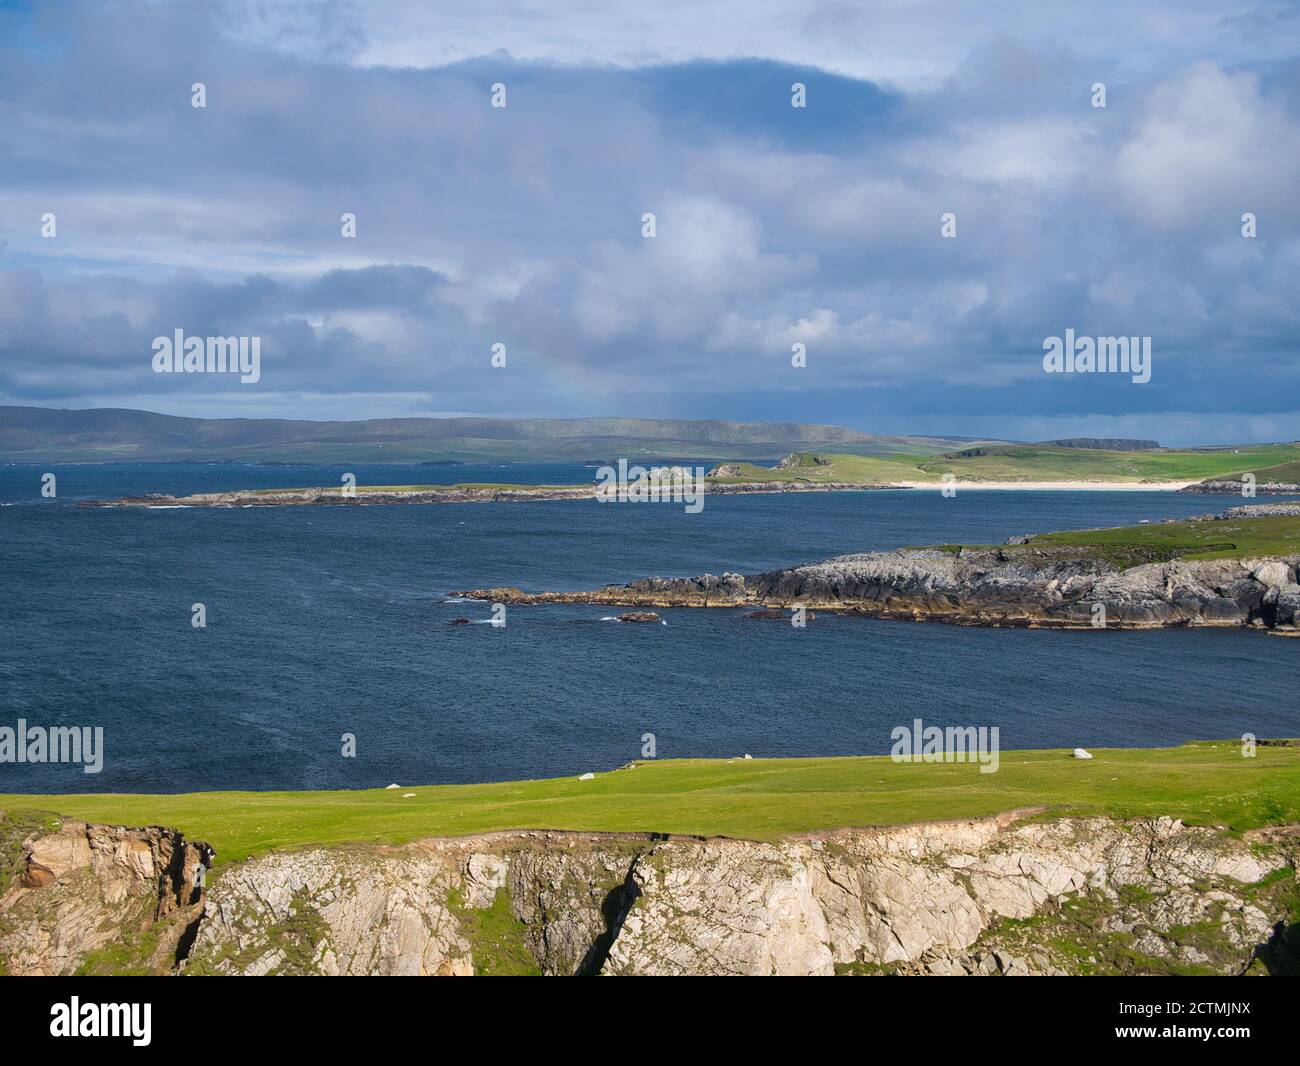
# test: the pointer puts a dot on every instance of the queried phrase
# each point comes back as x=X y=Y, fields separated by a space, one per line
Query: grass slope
x=1225 y=539
x=1205 y=783
x=1037 y=463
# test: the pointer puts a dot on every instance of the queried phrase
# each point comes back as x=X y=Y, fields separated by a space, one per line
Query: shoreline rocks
x=1233 y=488
x=1021 y=587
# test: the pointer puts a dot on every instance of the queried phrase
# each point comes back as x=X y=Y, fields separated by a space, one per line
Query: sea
x=325 y=623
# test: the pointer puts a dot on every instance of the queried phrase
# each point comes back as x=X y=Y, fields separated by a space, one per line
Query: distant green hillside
x=37 y=434
x=1030 y=462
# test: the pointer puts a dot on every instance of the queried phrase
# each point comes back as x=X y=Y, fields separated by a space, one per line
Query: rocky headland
x=1020 y=585
x=1233 y=487
x=1001 y=896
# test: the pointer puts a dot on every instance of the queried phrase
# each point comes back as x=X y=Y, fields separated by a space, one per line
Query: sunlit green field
x=1227 y=538
x=1203 y=783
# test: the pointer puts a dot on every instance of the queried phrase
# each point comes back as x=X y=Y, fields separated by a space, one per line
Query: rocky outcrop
x=1233 y=488
x=998 y=896
x=1259 y=510
x=798 y=460
x=362 y=498
x=1013 y=586
x=507 y=902
x=84 y=896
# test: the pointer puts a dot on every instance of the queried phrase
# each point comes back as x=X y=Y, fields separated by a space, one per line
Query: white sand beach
x=1054 y=486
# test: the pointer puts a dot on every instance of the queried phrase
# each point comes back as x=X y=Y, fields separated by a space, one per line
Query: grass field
x=1034 y=463
x=1203 y=783
x=1228 y=538
x=1283 y=473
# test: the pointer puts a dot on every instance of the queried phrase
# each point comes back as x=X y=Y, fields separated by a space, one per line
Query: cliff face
x=1003 y=895
x=1007 y=587
x=96 y=898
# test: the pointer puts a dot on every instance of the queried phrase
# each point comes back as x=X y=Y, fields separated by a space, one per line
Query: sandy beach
x=1055 y=486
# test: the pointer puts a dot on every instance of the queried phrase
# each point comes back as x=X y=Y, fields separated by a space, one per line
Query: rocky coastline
x=1021 y=586
x=1009 y=895
x=1233 y=488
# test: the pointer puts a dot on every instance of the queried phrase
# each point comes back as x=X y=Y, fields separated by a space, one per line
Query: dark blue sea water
x=328 y=620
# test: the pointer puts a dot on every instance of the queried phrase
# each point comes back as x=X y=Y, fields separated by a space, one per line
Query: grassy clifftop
x=1204 y=783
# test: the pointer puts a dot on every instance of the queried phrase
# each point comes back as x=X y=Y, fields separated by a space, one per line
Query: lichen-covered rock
x=1000 y=896
x=81 y=890
x=415 y=910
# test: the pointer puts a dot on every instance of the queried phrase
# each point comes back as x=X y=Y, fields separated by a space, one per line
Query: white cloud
x=1210 y=143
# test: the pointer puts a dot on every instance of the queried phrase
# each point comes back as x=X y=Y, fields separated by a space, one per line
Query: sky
x=774 y=225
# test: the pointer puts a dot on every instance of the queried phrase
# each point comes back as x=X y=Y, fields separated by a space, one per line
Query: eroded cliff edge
x=1008 y=895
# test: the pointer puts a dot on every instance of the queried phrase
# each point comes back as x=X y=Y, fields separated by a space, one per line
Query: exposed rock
x=36 y=875
x=1038 y=586
x=413 y=910
x=1258 y=510
x=639 y=616
x=951 y=898
x=1232 y=487
x=796 y=460
x=83 y=889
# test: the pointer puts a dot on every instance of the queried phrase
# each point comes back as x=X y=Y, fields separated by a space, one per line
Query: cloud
x=774 y=225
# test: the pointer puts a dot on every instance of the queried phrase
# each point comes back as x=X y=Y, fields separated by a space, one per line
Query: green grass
x=1229 y=538
x=1034 y=463
x=1286 y=473
x=496 y=937
x=1205 y=783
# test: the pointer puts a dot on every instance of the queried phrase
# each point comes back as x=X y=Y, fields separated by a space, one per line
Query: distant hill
x=39 y=434
x=1104 y=444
